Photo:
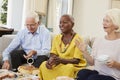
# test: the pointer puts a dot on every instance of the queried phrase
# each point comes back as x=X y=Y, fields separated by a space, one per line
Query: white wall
x=88 y=16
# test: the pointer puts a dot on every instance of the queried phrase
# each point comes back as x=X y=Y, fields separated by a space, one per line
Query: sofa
x=6 y=39
x=4 y=42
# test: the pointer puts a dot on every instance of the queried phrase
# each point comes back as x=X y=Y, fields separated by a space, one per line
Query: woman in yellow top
x=65 y=58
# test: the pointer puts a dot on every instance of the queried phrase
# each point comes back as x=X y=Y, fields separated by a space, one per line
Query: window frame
x=3 y=12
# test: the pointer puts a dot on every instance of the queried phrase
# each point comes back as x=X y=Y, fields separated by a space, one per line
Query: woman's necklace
x=66 y=42
x=64 y=49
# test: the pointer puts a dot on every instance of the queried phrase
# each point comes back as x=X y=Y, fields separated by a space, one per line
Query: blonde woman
x=105 y=54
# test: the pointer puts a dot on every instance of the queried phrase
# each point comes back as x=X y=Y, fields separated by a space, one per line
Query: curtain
x=34 y=5
x=55 y=10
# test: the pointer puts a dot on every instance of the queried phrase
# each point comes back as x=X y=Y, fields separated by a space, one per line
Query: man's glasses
x=30 y=24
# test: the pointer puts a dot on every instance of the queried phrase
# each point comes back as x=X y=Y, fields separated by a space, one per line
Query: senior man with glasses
x=35 y=41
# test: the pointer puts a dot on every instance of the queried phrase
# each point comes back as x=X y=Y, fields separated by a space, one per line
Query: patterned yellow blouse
x=68 y=51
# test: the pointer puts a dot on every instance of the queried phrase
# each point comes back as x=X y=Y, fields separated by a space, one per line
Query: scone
x=35 y=72
x=27 y=69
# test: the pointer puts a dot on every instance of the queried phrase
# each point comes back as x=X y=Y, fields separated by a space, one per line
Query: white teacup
x=103 y=58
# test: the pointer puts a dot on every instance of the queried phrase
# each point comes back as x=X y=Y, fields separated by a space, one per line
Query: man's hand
x=6 y=65
x=30 y=54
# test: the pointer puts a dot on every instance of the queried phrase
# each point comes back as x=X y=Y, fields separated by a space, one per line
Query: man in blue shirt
x=35 y=41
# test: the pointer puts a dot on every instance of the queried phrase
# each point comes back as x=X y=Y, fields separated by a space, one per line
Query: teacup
x=30 y=61
x=103 y=58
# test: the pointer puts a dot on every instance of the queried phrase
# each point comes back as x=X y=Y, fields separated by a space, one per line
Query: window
x=56 y=9
x=3 y=11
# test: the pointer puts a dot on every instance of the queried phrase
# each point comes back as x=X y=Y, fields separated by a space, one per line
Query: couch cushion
x=6 y=39
x=0 y=61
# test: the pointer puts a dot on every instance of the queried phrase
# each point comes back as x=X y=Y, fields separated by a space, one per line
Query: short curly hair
x=70 y=17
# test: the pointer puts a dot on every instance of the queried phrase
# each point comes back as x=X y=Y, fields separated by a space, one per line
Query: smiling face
x=31 y=24
x=66 y=24
x=108 y=25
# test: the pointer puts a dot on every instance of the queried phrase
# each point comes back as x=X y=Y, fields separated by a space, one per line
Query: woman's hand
x=49 y=66
x=30 y=54
x=57 y=60
x=6 y=65
x=53 y=61
x=81 y=45
x=113 y=64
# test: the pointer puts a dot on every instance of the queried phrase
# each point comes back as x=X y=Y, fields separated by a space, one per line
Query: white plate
x=3 y=70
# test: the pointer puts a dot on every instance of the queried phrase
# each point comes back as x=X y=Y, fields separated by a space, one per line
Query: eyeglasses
x=30 y=24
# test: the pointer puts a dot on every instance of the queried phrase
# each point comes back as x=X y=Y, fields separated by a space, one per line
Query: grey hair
x=70 y=17
x=33 y=15
x=114 y=14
